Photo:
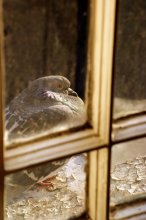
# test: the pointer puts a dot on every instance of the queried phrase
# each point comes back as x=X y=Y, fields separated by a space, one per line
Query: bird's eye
x=59 y=86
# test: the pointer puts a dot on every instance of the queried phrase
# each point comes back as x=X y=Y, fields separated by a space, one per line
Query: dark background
x=46 y=37
x=130 y=50
x=50 y=37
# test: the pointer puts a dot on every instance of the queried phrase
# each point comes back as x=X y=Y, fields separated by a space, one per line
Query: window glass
x=44 y=38
x=130 y=56
x=128 y=175
x=54 y=190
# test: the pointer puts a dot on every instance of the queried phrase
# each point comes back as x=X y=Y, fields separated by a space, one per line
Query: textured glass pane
x=55 y=190
x=130 y=57
x=44 y=38
x=128 y=173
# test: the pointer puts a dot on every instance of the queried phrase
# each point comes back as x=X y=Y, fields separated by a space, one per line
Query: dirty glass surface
x=44 y=38
x=128 y=172
x=130 y=57
x=54 y=190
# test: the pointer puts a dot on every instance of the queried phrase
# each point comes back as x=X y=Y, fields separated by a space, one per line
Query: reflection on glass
x=130 y=56
x=55 y=190
x=44 y=38
x=128 y=173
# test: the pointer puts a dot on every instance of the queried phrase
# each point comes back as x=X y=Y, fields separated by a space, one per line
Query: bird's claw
x=48 y=183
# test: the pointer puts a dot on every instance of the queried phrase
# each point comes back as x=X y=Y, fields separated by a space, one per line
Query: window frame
x=98 y=96
x=129 y=127
x=100 y=52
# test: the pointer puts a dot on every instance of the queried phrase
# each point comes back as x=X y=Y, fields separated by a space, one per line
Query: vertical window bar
x=1 y=116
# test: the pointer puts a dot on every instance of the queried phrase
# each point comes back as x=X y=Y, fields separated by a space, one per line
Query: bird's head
x=55 y=83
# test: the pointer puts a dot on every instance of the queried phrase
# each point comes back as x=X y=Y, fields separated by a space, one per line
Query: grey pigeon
x=47 y=104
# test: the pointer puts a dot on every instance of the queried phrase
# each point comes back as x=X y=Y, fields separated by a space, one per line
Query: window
x=93 y=137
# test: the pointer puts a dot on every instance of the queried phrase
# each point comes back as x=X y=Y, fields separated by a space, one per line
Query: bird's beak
x=71 y=92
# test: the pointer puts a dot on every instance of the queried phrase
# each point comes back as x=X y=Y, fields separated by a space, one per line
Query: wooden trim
x=132 y=210
x=98 y=177
x=92 y=186
x=100 y=58
x=102 y=184
x=2 y=89
x=46 y=150
x=106 y=67
x=129 y=127
x=101 y=69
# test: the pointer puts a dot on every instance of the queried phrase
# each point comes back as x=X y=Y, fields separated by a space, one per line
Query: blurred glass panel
x=54 y=190
x=44 y=38
x=130 y=56
x=128 y=179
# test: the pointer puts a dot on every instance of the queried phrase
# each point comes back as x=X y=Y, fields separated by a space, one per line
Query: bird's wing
x=33 y=122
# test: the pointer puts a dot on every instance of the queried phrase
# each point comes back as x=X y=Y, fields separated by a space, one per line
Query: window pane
x=54 y=190
x=128 y=178
x=130 y=56
x=44 y=38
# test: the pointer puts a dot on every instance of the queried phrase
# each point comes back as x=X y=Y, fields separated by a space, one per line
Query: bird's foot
x=48 y=183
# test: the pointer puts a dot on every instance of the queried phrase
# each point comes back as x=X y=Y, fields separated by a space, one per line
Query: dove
x=48 y=104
